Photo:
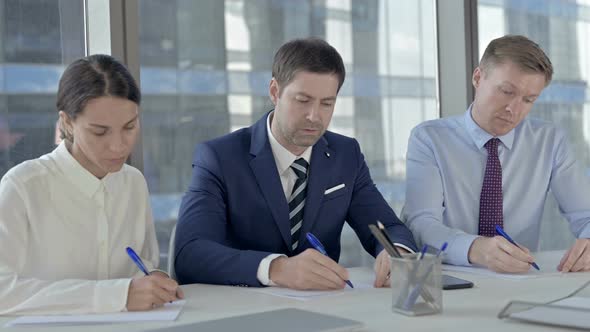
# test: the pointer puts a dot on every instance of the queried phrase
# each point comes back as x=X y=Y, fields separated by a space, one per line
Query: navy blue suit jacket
x=235 y=213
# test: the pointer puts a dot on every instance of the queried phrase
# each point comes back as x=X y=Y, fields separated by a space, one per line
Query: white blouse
x=63 y=235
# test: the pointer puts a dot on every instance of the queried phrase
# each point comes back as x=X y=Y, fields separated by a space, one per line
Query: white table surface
x=463 y=310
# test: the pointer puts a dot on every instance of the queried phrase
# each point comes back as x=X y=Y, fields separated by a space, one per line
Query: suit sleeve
x=34 y=295
x=423 y=211
x=203 y=251
x=368 y=205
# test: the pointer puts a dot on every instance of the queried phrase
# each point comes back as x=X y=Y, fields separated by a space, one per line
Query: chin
x=306 y=142
x=113 y=168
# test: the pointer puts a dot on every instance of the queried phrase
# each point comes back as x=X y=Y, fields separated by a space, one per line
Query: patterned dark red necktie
x=490 y=201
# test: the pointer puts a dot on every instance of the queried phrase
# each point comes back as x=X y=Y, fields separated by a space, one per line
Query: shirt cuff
x=585 y=234
x=263 y=273
x=111 y=295
x=399 y=245
x=457 y=252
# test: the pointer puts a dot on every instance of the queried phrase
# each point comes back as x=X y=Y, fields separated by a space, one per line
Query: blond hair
x=519 y=50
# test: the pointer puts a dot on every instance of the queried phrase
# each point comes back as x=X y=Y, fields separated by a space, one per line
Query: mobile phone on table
x=450 y=282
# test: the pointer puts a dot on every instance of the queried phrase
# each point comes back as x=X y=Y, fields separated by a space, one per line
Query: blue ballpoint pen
x=319 y=247
x=423 y=252
x=411 y=299
x=501 y=232
x=135 y=258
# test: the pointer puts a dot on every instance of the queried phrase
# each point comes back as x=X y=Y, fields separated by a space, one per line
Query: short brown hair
x=310 y=54
x=521 y=51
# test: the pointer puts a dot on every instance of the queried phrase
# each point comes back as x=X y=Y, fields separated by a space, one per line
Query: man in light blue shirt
x=459 y=186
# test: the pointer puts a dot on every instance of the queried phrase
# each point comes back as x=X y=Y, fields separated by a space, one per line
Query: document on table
x=547 y=261
x=571 y=312
x=168 y=312
x=532 y=273
x=309 y=295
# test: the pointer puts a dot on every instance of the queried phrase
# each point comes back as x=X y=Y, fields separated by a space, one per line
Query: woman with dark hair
x=67 y=217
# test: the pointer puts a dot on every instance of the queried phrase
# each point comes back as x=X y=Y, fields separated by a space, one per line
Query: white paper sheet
x=532 y=273
x=547 y=261
x=309 y=295
x=168 y=312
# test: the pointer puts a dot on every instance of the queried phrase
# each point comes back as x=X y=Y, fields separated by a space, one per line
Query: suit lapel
x=318 y=180
x=264 y=167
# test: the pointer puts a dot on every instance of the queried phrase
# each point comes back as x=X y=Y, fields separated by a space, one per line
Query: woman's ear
x=65 y=126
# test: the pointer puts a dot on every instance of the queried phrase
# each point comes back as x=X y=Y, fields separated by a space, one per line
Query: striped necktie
x=297 y=200
x=491 y=211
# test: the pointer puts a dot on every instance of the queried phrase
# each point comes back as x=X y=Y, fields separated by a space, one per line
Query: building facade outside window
x=205 y=72
x=37 y=39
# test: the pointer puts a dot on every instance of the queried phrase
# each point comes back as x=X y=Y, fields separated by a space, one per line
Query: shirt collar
x=85 y=181
x=283 y=157
x=480 y=137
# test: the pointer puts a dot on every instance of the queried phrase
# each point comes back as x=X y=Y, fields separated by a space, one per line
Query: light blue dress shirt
x=446 y=162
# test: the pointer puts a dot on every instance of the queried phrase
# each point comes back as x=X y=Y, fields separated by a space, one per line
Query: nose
x=514 y=107
x=118 y=143
x=312 y=114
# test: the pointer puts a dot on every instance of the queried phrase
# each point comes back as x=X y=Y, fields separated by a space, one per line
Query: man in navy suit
x=257 y=192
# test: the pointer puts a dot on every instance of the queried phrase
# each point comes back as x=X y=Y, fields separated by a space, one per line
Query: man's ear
x=273 y=91
x=476 y=78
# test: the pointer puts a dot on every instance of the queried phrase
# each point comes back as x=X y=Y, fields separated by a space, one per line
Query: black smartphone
x=450 y=282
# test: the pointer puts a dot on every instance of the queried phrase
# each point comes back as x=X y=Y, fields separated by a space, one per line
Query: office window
x=37 y=37
x=205 y=69
x=562 y=29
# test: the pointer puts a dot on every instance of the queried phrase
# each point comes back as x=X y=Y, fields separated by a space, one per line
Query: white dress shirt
x=63 y=234
x=283 y=158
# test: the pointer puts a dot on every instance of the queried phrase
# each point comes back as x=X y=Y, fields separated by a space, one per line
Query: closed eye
x=529 y=100
x=507 y=92
x=102 y=133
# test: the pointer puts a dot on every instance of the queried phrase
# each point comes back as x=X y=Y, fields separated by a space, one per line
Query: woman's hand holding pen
x=308 y=270
x=152 y=291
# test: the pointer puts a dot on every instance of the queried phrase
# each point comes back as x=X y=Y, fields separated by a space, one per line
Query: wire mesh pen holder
x=416 y=285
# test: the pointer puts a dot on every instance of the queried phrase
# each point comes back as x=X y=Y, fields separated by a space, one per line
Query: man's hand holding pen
x=308 y=270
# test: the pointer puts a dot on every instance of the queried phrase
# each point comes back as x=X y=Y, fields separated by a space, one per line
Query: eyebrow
x=311 y=97
x=107 y=127
x=515 y=87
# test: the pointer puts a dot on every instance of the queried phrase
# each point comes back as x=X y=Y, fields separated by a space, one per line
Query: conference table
x=463 y=310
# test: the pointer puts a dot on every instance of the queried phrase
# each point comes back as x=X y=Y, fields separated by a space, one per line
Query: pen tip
x=380 y=225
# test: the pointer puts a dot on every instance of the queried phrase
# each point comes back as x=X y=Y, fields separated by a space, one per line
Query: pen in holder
x=416 y=284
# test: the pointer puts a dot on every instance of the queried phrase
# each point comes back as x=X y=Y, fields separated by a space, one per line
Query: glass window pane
x=37 y=37
x=205 y=71
x=562 y=29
